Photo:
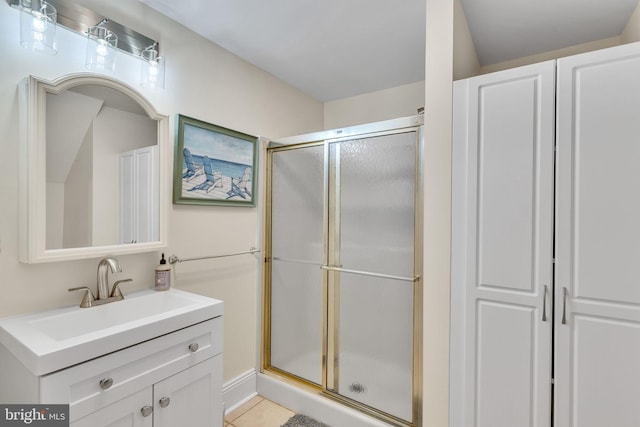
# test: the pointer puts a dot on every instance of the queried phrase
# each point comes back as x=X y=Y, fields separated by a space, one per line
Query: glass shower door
x=371 y=271
x=342 y=299
x=296 y=293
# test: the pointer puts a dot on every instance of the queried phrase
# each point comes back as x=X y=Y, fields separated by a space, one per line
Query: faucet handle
x=115 y=290
x=87 y=299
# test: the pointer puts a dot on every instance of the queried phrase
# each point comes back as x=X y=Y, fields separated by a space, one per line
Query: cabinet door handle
x=564 y=305
x=193 y=347
x=544 y=303
x=146 y=410
x=106 y=383
x=164 y=402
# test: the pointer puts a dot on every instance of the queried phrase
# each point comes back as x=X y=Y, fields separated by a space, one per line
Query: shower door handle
x=369 y=273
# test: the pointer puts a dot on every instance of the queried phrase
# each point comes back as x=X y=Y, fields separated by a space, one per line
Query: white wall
x=437 y=211
x=399 y=101
x=631 y=32
x=55 y=214
x=465 y=58
x=559 y=53
x=202 y=81
x=77 y=229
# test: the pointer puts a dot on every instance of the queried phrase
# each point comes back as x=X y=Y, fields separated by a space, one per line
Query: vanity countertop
x=48 y=341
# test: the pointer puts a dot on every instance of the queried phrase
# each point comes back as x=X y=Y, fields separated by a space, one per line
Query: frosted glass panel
x=375 y=195
x=375 y=342
x=296 y=319
x=377 y=187
x=296 y=249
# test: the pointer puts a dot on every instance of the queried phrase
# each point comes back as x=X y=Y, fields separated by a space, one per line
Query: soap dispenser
x=163 y=276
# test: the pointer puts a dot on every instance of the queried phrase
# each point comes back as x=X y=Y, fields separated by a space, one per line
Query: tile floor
x=258 y=412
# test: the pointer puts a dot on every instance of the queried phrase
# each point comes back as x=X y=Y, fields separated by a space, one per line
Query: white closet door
x=127 y=198
x=139 y=196
x=146 y=203
x=598 y=240
x=502 y=248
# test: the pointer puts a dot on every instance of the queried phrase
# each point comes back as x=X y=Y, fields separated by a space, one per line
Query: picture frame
x=213 y=165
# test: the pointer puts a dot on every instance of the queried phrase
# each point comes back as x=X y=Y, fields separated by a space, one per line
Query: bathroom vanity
x=153 y=359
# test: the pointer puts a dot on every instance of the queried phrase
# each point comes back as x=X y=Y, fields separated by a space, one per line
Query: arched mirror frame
x=32 y=185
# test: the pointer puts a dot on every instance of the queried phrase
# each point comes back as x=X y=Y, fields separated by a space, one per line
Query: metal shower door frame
x=331 y=266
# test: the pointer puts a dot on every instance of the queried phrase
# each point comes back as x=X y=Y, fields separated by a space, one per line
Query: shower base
x=313 y=404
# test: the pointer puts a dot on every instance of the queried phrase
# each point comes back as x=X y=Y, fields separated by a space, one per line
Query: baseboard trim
x=239 y=390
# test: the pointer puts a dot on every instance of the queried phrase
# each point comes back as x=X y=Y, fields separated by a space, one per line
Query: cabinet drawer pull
x=106 y=383
x=164 y=402
x=194 y=347
x=146 y=410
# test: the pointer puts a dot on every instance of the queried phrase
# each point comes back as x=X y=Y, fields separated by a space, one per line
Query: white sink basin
x=52 y=340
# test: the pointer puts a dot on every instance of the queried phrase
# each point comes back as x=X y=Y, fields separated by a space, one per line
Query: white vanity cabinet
x=182 y=399
x=173 y=377
x=165 y=378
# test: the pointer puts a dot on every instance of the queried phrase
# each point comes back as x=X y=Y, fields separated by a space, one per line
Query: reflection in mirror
x=94 y=173
x=101 y=169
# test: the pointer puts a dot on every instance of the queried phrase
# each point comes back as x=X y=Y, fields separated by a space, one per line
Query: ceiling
x=333 y=49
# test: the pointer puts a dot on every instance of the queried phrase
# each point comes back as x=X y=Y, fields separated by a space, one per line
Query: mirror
x=93 y=169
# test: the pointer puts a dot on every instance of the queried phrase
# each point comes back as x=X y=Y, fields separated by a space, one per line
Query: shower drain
x=357 y=388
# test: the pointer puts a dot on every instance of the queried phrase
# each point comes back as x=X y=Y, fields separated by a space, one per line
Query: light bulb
x=152 y=68
x=39 y=24
x=101 y=49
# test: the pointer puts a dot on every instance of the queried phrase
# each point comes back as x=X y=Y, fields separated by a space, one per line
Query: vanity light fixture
x=101 y=49
x=104 y=36
x=38 y=26
x=152 y=69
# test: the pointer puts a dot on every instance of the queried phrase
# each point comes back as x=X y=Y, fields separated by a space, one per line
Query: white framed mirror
x=93 y=169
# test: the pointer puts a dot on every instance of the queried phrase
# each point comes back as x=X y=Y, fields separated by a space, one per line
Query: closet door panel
x=510 y=372
x=506 y=162
x=502 y=248
x=598 y=239
x=604 y=349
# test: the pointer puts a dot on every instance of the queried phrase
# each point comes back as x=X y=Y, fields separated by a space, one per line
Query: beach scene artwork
x=216 y=166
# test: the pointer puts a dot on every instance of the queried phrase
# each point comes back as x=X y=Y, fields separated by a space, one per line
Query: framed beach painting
x=213 y=165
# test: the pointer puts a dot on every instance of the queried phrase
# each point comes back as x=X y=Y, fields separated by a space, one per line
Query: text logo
x=34 y=415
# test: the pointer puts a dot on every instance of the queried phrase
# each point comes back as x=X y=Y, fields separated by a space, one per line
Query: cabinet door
x=191 y=398
x=123 y=413
x=598 y=240
x=502 y=240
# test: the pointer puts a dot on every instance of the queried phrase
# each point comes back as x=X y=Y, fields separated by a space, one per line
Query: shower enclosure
x=342 y=287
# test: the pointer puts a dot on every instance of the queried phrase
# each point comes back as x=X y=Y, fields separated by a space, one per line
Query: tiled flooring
x=258 y=412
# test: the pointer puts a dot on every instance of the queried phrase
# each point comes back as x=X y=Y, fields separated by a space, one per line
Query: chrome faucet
x=103 y=275
x=104 y=296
